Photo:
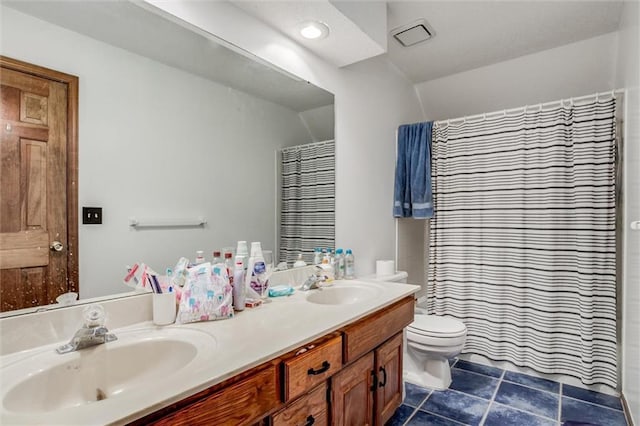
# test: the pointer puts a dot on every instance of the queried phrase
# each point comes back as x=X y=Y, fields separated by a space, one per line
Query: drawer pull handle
x=325 y=367
x=384 y=377
x=310 y=420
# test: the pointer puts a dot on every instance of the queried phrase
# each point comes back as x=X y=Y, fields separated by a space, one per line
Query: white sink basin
x=137 y=362
x=343 y=294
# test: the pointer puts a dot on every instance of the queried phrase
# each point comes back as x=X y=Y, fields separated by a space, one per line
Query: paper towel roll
x=385 y=268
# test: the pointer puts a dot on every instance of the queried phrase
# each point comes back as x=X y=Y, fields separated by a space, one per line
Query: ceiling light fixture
x=314 y=30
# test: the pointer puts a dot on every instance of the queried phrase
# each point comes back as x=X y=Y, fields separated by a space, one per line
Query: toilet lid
x=437 y=325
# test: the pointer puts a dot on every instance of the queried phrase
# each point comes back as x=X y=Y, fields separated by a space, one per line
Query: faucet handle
x=93 y=316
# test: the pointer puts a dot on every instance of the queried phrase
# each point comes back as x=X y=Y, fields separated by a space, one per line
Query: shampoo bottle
x=239 y=289
x=349 y=265
x=339 y=264
x=199 y=257
x=317 y=256
x=256 y=279
x=327 y=271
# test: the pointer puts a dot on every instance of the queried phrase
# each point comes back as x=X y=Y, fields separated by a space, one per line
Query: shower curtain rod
x=288 y=148
x=541 y=106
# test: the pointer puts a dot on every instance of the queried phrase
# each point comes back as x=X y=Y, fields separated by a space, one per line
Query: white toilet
x=430 y=340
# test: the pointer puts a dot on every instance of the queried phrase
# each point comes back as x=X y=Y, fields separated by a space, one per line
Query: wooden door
x=389 y=387
x=38 y=199
x=352 y=394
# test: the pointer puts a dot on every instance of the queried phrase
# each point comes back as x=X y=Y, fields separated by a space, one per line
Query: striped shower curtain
x=523 y=244
x=307 y=200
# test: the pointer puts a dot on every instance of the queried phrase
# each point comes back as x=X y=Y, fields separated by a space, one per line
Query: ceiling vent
x=413 y=33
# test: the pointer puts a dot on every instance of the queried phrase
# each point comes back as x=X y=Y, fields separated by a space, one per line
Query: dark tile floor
x=482 y=395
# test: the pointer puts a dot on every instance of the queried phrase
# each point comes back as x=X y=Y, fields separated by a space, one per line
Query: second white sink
x=343 y=294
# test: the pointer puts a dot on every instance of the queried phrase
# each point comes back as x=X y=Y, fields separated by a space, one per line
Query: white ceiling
x=347 y=42
x=468 y=34
x=473 y=34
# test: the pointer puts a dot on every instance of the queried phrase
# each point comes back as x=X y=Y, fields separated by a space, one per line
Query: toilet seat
x=433 y=330
x=437 y=326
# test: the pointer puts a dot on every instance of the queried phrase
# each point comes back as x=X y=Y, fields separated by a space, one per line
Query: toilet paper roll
x=385 y=268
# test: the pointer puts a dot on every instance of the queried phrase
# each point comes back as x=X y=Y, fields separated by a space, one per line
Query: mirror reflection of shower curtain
x=307 y=200
x=523 y=244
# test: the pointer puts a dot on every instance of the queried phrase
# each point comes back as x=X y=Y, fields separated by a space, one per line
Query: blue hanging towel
x=412 y=192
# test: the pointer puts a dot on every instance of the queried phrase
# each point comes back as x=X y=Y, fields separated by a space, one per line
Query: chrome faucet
x=314 y=280
x=92 y=333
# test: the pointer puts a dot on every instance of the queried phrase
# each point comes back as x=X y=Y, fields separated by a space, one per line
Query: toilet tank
x=398 y=277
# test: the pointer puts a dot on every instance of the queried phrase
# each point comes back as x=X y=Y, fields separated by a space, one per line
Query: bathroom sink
x=137 y=362
x=343 y=294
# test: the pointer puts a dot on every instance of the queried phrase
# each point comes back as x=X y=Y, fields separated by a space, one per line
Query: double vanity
x=326 y=356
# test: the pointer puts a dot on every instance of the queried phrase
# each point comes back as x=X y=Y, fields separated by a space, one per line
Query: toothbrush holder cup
x=164 y=308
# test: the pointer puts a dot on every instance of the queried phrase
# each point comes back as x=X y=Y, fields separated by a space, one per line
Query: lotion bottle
x=239 y=289
x=256 y=279
x=327 y=271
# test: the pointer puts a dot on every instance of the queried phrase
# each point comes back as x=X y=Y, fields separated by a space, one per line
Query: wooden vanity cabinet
x=388 y=366
x=369 y=388
x=242 y=400
x=352 y=393
x=310 y=365
x=350 y=377
x=310 y=409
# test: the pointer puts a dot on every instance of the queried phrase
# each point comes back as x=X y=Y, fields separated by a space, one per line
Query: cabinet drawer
x=239 y=404
x=367 y=333
x=311 y=409
x=305 y=370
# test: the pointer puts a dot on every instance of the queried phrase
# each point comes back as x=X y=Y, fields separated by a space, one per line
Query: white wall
x=159 y=142
x=628 y=75
x=575 y=69
x=371 y=100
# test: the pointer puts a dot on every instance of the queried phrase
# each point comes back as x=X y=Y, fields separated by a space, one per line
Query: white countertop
x=251 y=338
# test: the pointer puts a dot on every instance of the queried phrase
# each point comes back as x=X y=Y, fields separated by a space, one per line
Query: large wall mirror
x=173 y=126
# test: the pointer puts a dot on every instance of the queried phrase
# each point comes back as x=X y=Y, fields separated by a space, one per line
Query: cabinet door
x=351 y=394
x=389 y=384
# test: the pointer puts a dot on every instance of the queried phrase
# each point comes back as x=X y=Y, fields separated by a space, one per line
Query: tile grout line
x=592 y=403
x=511 y=407
x=495 y=393
x=443 y=417
x=559 y=393
x=512 y=382
x=478 y=374
x=416 y=409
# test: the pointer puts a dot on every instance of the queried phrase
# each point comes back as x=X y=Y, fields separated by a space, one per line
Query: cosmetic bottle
x=327 y=271
x=239 y=289
x=217 y=258
x=256 y=277
x=228 y=263
x=339 y=264
x=299 y=263
x=349 y=265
